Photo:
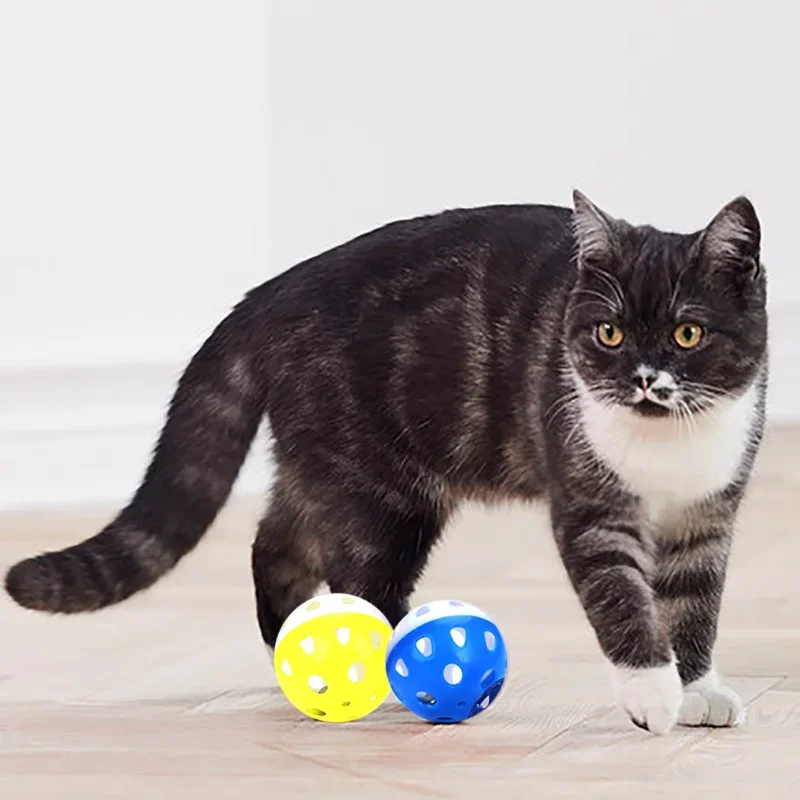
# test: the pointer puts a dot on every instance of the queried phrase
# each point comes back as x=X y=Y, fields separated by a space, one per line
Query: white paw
x=651 y=696
x=707 y=702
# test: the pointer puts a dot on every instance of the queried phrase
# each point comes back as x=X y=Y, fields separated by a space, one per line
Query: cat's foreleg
x=610 y=562
x=689 y=584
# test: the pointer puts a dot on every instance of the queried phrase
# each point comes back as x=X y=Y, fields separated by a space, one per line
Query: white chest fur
x=671 y=464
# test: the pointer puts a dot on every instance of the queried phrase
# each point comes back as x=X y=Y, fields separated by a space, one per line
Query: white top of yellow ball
x=324 y=605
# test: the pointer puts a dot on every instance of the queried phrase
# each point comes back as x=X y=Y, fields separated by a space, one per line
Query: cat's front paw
x=651 y=696
x=708 y=702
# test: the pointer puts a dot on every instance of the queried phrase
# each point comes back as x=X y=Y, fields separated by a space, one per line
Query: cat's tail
x=210 y=424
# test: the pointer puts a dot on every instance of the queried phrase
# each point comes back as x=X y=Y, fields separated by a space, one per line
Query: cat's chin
x=649 y=409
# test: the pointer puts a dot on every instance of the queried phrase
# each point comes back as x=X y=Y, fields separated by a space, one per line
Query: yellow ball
x=330 y=658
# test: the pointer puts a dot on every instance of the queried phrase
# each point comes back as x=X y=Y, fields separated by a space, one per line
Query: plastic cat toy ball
x=330 y=658
x=446 y=661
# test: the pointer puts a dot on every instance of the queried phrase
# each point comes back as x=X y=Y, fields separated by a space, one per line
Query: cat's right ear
x=594 y=231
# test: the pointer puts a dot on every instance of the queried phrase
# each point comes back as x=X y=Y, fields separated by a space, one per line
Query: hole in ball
x=376 y=639
x=459 y=636
x=425 y=646
x=317 y=684
x=307 y=645
x=426 y=698
x=313 y=605
x=423 y=610
x=357 y=672
x=400 y=668
x=286 y=669
x=343 y=635
x=316 y=712
x=453 y=674
x=491 y=640
x=487 y=678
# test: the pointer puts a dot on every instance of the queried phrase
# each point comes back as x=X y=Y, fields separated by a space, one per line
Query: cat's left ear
x=732 y=240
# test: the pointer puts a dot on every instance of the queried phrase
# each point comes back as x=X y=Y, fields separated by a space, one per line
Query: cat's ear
x=594 y=231
x=732 y=240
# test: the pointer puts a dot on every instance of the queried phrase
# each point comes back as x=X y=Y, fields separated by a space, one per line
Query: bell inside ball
x=446 y=661
x=330 y=658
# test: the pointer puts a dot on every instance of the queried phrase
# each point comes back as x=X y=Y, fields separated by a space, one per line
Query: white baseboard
x=73 y=434
x=784 y=342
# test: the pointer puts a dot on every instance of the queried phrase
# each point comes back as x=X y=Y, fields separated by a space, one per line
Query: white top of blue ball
x=438 y=609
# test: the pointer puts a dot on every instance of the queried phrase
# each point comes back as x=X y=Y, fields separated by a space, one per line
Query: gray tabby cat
x=617 y=371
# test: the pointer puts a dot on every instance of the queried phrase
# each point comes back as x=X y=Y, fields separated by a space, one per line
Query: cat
x=617 y=371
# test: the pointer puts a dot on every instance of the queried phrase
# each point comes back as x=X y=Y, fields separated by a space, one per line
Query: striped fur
x=455 y=356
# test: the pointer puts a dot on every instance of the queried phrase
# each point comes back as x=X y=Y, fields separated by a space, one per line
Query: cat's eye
x=609 y=334
x=687 y=335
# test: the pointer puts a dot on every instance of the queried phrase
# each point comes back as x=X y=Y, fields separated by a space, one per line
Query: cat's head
x=667 y=323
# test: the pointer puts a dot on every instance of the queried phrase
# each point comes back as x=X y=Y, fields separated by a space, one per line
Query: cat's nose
x=644 y=378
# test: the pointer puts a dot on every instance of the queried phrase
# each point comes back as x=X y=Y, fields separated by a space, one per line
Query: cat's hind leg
x=380 y=548
x=286 y=560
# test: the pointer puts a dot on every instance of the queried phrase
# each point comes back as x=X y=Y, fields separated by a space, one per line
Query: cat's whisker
x=691 y=422
x=691 y=309
x=675 y=418
x=613 y=283
x=556 y=405
x=707 y=388
x=602 y=299
x=586 y=303
x=683 y=420
x=710 y=393
x=569 y=402
x=674 y=294
x=572 y=432
x=587 y=449
x=566 y=403
x=704 y=401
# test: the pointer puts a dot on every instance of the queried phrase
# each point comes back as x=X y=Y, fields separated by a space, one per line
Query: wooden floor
x=172 y=694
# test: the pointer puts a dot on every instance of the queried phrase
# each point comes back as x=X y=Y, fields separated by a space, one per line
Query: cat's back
x=398 y=259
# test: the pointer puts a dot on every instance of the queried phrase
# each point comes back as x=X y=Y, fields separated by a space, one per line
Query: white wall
x=133 y=170
x=132 y=195
x=132 y=216
x=661 y=111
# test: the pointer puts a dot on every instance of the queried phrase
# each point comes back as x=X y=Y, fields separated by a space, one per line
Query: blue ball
x=446 y=661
